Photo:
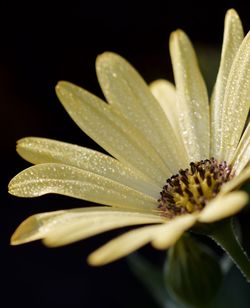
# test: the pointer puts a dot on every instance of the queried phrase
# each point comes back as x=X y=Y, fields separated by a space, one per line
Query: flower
x=159 y=136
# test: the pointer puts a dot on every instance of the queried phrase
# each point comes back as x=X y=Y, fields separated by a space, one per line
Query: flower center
x=191 y=189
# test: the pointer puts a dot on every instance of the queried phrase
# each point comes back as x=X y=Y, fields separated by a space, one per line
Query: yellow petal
x=111 y=131
x=165 y=92
x=192 y=97
x=132 y=240
x=236 y=101
x=123 y=245
x=233 y=36
x=41 y=150
x=128 y=93
x=64 y=227
x=237 y=181
x=173 y=230
x=242 y=155
x=223 y=206
x=90 y=225
x=34 y=227
x=70 y=181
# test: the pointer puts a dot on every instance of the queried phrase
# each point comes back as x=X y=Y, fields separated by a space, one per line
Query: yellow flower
x=177 y=159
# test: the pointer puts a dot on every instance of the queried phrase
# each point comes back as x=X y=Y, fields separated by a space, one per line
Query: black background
x=41 y=44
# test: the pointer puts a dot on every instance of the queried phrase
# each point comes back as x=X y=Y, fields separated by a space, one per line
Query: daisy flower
x=175 y=160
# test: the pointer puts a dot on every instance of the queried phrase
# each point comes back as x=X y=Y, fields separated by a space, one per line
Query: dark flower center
x=191 y=189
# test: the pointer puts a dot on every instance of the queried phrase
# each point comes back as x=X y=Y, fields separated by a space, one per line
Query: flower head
x=177 y=160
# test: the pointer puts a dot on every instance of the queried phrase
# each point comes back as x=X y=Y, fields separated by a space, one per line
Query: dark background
x=40 y=44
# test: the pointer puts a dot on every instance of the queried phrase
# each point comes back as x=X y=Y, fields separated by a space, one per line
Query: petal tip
x=177 y=34
x=15 y=239
x=26 y=232
x=224 y=206
x=179 y=39
x=62 y=86
x=232 y=13
x=11 y=190
x=105 y=58
x=93 y=260
x=59 y=84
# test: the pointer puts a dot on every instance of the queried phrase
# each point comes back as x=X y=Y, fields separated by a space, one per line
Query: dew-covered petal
x=192 y=99
x=233 y=36
x=132 y=240
x=112 y=131
x=242 y=155
x=96 y=224
x=165 y=92
x=128 y=93
x=70 y=181
x=236 y=101
x=64 y=227
x=237 y=181
x=42 y=150
x=223 y=206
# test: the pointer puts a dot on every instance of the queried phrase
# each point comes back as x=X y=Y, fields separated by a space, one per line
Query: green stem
x=225 y=237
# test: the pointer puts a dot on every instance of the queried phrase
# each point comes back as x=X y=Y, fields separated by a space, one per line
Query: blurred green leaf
x=151 y=277
x=192 y=273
